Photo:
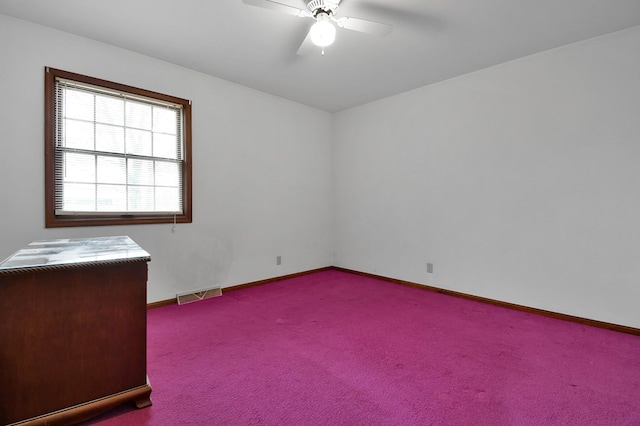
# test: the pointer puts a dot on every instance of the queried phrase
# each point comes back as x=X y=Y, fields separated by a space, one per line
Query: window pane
x=109 y=110
x=78 y=104
x=112 y=198
x=138 y=142
x=167 y=199
x=165 y=120
x=141 y=198
x=79 y=197
x=165 y=146
x=109 y=138
x=79 y=168
x=112 y=170
x=167 y=174
x=140 y=172
x=138 y=115
x=78 y=134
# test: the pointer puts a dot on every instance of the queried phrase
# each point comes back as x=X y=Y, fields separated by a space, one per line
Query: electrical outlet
x=279 y=260
x=429 y=268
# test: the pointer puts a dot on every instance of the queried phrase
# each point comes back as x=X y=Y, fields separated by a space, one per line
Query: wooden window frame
x=51 y=219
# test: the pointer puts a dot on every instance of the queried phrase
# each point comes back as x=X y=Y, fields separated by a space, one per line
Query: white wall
x=520 y=182
x=261 y=180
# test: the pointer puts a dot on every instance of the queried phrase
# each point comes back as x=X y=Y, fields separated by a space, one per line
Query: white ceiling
x=432 y=40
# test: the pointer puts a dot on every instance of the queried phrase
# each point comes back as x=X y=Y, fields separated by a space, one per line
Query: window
x=114 y=154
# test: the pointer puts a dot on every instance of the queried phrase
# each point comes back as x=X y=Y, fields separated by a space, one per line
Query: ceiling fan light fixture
x=323 y=32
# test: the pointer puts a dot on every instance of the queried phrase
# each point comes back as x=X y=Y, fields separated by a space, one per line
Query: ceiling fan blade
x=306 y=46
x=364 y=26
x=278 y=7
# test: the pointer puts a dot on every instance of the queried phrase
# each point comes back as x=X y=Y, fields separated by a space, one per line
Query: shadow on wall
x=201 y=260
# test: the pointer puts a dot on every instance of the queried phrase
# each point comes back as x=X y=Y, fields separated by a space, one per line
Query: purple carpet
x=334 y=348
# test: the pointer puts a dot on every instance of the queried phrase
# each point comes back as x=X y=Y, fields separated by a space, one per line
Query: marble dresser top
x=72 y=251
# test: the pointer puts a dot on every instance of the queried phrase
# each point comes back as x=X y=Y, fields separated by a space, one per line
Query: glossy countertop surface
x=70 y=251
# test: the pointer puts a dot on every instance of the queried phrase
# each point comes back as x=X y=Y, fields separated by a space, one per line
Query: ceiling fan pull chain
x=323 y=51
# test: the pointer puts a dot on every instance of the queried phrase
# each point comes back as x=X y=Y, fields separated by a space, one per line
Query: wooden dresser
x=72 y=330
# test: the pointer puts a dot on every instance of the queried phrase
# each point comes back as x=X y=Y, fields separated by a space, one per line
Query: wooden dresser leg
x=143 y=402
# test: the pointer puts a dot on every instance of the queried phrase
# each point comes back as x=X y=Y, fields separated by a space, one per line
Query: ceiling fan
x=323 y=32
